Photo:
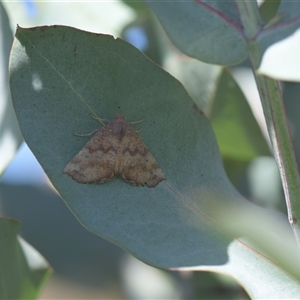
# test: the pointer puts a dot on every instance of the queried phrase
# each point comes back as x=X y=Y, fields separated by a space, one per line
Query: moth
x=115 y=150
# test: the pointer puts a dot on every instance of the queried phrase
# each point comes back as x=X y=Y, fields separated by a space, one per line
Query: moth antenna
x=136 y=122
x=86 y=134
x=98 y=119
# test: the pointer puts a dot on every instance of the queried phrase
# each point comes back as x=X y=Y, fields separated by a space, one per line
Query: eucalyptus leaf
x=236 y=129
x=285 y=22
x=23 y=271
x=198 y=78
x=10 y=136
x=268 y=9
x=214 y=90
x=61 y=76
x=210 y=31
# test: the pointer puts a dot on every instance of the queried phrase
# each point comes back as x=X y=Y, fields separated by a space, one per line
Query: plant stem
x=274 y=111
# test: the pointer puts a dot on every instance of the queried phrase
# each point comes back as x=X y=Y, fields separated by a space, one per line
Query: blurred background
x=86 y=266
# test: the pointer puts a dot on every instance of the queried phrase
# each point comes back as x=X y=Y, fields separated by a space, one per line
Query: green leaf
x=23 y=271
x=139 y=6
x=267 y=283
x=238 y=134
x=278 y=255
x=10 y=136
x=59 y=77
x=199 y=79
x=284 y=23
x=291 y=92
x=214 y=90
x=268 y=9
x=209 y=31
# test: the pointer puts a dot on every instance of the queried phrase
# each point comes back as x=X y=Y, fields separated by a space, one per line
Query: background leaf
x=283 y=24
x=268 y=9
x=214 y=90
x=10 y=136
x=281 y=60
x=23 y=271
x=236 y=129
x=215 y=30
x=199 y=79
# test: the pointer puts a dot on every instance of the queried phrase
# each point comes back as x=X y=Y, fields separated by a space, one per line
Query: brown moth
x=115 y=150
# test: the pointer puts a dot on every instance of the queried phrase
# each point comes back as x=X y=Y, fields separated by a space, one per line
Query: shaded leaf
x=238 y=134
x=214 y=90
x=282 y=59
x=209 y=31
x=285 y=22
x=23 y=271
x=291 y=92
x=139 y=6
x=10 y=136
x=199 y=79
x=268 y=9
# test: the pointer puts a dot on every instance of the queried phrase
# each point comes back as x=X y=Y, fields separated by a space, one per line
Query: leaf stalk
x=276 y=119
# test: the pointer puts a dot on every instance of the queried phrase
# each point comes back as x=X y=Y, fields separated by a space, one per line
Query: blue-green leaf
x=210 y=31
x=10 y=136
x=59 y=77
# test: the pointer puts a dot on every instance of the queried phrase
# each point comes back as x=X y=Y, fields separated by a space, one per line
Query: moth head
x=119 y=125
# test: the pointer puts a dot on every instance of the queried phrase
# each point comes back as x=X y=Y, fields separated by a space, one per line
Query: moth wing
x=139 y=167
x=95 y=162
